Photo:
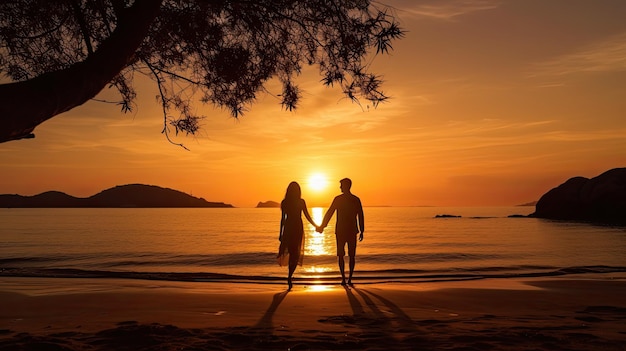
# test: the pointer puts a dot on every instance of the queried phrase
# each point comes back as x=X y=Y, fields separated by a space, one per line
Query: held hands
x=319 y=229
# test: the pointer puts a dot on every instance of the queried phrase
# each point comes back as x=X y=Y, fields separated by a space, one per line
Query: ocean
x=402 y=244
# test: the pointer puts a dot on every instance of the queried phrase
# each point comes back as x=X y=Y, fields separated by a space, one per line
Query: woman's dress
x=291 y=247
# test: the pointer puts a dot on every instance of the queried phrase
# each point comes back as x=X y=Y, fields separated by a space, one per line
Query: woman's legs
x=292 y=268
x=294 y=258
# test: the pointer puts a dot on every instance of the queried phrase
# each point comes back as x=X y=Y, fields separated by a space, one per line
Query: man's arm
x=329 y=214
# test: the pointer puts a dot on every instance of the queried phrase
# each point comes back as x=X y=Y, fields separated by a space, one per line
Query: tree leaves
x=219 y=52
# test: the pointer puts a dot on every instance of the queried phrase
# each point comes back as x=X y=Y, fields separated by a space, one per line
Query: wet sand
x=101 y=314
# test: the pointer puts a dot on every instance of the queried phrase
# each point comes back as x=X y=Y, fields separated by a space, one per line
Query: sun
x=317 y=182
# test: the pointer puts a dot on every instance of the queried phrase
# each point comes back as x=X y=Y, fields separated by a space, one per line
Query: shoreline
x=97 y=314
x=365 y=277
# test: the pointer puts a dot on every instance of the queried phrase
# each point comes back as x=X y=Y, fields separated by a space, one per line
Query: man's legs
x=352 y=262
x=341 y=252
x=352 y=253
x=342 y=265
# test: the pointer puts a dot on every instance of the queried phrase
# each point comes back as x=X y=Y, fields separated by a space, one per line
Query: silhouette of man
x=350 y=222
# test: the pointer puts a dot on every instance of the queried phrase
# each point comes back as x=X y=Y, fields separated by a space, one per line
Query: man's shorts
x=344 y=239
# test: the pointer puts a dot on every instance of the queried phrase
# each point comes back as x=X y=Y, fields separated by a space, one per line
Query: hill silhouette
x=265 y=204
x=130 y=195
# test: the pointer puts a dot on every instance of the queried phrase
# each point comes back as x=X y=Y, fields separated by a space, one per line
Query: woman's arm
x=282 y=225
x=307 y=215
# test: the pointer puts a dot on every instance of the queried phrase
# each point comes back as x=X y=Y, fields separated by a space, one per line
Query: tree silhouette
x=60 y=54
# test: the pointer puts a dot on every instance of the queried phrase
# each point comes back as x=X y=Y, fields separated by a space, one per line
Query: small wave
x=145 y=260
x=382 y=276
x=38 y=260
x=252 y=258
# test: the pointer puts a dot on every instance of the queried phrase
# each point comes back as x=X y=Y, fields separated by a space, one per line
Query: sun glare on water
x=317 y=182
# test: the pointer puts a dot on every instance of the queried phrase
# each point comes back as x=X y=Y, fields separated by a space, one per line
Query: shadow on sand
x=378 y=319
x=266 y=320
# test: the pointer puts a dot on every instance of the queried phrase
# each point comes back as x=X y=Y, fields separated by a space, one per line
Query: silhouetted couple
x=350 y=222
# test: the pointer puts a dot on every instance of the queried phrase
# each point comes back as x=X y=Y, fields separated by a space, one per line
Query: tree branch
x=164 y=104
x=24 y=105
x=83 y=26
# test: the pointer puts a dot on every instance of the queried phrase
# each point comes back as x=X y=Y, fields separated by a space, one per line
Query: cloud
x=608 y=55
x=445 y=10
x=491 y=141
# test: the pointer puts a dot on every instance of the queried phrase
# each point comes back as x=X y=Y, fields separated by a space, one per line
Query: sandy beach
x=99 y=314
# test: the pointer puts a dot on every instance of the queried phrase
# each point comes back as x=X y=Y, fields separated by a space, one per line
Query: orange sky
x=493 y=103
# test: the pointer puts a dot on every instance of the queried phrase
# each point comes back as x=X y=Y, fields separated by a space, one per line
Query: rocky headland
x=601 y=199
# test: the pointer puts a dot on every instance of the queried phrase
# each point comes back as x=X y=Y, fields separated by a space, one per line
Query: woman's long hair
x=293 y=194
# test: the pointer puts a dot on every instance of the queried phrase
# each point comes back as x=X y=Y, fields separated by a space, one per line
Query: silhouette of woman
x=291 y=235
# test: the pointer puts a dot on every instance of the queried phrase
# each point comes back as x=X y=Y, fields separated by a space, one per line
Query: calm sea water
x=240 y=244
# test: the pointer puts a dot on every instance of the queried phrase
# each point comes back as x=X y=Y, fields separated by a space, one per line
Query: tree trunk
x=24 y=105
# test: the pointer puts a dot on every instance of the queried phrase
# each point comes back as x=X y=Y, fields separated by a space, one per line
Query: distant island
x=267 y=204
x=130 y=195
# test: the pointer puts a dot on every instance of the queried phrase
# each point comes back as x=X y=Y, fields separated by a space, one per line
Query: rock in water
x=600 y=199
